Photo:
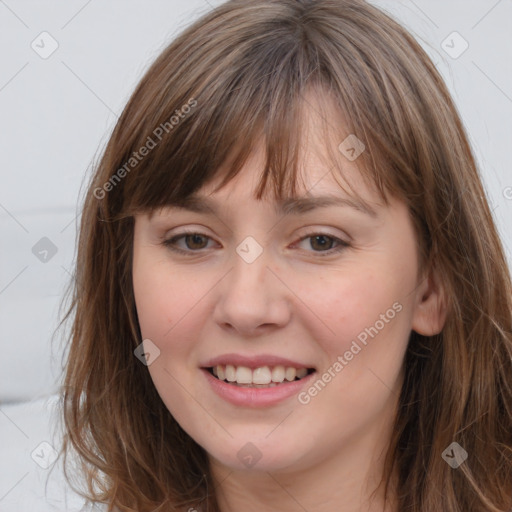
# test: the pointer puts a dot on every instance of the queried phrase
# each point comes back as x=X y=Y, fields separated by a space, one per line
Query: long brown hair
x=238 y=75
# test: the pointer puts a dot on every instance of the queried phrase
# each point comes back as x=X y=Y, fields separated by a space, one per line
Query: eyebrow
x=293 y=206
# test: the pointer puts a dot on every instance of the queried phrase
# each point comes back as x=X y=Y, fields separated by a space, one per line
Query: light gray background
x=56 y=114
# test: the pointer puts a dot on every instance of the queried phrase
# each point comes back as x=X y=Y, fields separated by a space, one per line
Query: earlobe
x=431 y=306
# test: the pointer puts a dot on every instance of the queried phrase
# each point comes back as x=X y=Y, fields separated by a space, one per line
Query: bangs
x=199 y=123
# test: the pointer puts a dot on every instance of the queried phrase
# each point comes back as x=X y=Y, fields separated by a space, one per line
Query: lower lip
x=256 y=397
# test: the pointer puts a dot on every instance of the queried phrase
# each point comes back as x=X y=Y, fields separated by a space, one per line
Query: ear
x=431 y=306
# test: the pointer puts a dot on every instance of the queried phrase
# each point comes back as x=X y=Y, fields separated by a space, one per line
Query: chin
x=257 y=455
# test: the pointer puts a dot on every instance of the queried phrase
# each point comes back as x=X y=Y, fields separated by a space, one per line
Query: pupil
x=321 y=245
x=195 y=239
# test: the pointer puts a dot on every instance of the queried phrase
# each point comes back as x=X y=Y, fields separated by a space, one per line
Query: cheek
x=167 y=309
x=363 y=356
x=348 y=304
x=153 y=300
x=366 y=314
x=164 y=298
x=172 y=308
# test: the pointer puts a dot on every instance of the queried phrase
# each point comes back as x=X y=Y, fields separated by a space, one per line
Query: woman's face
x=262 y=294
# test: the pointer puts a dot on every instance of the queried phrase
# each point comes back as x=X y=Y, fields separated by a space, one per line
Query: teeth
x=243 y=375
x=230 y=373
x=263 y=376
x=290 y=374
x=302 y=372
x=278 y=373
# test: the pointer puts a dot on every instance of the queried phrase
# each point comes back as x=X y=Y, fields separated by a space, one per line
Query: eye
x=196 y=242
x=193 y=242
x=322 y=242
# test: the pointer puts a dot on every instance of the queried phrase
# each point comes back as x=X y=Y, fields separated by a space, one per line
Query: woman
x=340 y=338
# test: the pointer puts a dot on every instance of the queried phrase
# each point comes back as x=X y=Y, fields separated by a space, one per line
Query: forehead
x=330 y=157
x=320 y=186
x=291 y=206
x=323 y=170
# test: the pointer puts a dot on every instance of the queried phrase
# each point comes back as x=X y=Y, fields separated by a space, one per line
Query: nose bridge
x=250 y=295
x=250 y=272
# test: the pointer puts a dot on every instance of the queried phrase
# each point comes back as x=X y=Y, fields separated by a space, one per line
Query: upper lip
x=252 y=362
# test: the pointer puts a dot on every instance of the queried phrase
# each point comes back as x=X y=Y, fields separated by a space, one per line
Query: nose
x=252 y=299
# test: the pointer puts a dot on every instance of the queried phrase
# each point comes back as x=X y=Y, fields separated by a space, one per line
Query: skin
x=292 y=302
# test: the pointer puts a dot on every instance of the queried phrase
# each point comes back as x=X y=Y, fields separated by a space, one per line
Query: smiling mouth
x=262 y=377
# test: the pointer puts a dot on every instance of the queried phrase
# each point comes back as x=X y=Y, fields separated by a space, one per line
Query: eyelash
x=170 y=243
